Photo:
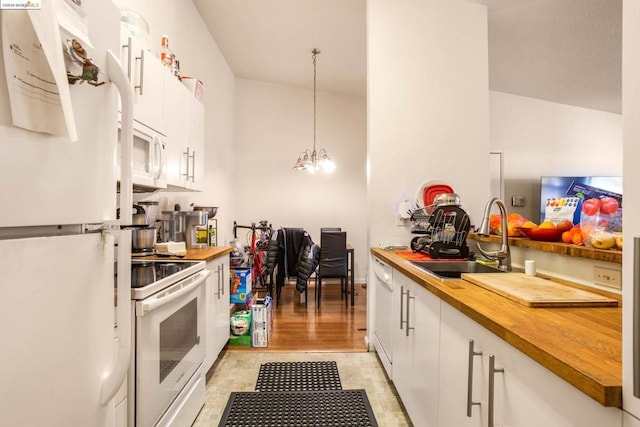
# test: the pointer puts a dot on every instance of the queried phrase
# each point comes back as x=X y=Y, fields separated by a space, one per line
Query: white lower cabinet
x=415 y=340
x=217 y=307
x=524 y=393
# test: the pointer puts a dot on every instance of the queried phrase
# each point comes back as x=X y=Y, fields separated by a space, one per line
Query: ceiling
x=565 y=51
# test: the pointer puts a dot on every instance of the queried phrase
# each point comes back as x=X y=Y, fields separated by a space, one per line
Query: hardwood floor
x=333 y=327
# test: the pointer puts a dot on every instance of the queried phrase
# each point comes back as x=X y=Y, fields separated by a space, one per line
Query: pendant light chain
x=315 y=52
x=313 y=160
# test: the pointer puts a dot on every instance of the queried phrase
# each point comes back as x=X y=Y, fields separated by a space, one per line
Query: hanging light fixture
x=312 y=160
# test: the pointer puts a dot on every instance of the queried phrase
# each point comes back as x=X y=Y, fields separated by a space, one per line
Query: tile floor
x=238 y=371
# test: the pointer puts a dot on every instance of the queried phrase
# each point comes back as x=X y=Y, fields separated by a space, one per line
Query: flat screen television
x=578 y=188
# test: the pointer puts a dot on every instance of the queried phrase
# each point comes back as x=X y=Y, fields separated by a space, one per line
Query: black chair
x=323 y=229
x=333 y=262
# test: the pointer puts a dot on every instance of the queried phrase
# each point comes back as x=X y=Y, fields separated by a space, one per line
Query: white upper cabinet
x=184 y=117
x=164 y=104
x=147 y=76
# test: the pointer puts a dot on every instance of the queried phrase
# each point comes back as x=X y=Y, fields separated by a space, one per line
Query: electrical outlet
x=401 y=222
x=607 y=276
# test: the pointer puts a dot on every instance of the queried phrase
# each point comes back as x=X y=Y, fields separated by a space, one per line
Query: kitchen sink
x=454 y=269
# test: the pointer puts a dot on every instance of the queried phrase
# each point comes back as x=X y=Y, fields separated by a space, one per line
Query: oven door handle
x=173 y=293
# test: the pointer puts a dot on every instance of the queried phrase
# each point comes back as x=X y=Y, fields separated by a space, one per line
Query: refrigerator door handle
x=112 y=381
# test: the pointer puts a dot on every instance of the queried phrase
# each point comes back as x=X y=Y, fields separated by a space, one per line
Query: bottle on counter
x=166 y=57
x=212 y=236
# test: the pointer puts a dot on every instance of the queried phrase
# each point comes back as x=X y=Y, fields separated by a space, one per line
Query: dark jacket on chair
x=295 y=254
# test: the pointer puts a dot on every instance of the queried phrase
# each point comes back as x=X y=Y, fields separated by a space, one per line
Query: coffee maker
x=173 y=226
x=195 y=229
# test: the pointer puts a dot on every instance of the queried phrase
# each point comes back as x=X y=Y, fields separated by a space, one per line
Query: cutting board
x=533 y=291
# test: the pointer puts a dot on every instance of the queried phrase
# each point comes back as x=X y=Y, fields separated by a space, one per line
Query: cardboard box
x=240 y=328
x=240 y=286
x=262 y=321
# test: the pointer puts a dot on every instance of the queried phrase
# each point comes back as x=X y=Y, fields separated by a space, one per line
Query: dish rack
x=445 y=230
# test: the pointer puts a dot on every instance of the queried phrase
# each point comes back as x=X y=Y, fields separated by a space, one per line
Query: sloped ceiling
x=565 y=51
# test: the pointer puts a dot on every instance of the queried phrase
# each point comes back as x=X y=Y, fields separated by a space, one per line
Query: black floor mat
x=328 y=408
x=298 y=376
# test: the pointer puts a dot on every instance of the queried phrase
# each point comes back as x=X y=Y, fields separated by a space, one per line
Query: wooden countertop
x=206 y=254
x=583 y=346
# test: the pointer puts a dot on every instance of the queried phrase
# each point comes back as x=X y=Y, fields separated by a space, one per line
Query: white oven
x=169 y=301
x=149 y=156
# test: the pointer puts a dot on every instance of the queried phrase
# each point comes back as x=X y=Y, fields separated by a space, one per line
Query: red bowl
x=542 y=234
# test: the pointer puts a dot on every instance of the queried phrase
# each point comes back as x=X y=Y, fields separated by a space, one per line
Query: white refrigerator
x=631 y=214
x=65 y=346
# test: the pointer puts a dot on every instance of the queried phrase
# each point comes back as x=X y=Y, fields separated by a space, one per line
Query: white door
x=57 y=314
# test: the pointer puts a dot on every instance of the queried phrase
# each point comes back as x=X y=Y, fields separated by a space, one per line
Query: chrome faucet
x=503 y=255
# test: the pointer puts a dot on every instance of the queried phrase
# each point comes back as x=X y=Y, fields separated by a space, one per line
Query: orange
x=576 y=239
x=547 y=224
x=567 y=237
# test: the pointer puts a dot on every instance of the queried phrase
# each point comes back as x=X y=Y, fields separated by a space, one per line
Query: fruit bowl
x=542 y=234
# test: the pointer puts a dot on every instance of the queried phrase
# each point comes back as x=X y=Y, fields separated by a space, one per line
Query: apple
x=603 y=240
x=608 y=205
x=564 y=225
x=591 y=206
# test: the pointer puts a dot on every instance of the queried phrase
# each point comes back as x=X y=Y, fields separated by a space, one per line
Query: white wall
x=188 y=36
x=542 y=138
x=428 y=107
x=274 y=123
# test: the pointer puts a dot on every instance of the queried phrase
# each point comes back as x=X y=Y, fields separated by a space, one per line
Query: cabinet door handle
x=141 y=80
x=470 y=401
x=193 y=166
x=218 y=284
x=190 y=157
x=402 y=292
x=222 y=281
x=407 y=322
x=492 y=372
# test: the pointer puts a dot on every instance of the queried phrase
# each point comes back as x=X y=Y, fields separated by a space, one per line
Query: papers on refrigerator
x=35 y=71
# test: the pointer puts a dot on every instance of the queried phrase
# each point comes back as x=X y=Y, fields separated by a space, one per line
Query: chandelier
x=312 y=160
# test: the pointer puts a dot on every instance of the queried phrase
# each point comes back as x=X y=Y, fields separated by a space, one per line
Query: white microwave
x=149 y=156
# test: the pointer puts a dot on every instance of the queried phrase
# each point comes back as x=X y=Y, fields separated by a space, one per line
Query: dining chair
x=333 y=262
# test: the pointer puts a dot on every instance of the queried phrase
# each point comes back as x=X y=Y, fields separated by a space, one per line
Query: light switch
x=517 y=201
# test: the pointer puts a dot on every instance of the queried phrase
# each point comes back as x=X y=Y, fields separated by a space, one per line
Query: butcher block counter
x=206 y=254
x=583 y=346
